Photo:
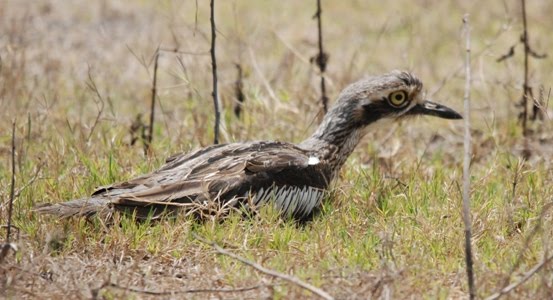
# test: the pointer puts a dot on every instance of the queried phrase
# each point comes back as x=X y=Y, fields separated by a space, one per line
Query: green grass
x=392 y=224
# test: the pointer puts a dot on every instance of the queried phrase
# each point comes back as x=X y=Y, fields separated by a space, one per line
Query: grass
x=392 y=226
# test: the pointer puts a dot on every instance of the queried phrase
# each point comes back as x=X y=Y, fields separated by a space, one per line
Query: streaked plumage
x=252 y=174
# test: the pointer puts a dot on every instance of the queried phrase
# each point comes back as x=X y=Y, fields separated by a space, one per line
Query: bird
x=248 y=175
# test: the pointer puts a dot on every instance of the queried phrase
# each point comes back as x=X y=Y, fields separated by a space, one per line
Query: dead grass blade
x=292 y=279
x=187 y=291
x=522 y=280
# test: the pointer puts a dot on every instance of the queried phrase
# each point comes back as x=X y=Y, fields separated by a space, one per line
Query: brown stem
x=525 y=87
x=215 y=92
x=239 y=91
x=153 y=105
x=12 y=187
x=322 y=57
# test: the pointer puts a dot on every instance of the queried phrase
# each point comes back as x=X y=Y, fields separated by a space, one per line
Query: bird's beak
x=434 y=109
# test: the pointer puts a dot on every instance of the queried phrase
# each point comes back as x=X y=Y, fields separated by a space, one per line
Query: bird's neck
x=335 y=139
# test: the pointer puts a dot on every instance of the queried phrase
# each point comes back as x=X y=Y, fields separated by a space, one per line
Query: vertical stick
x=12 y=188
x=153 y=104
x=322 y=58
x=525 y=87
x=466 y=166
x=238 y=90
x=215 y=93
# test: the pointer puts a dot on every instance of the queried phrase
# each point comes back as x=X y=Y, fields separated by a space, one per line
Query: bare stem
x=466 y=166
x=153 y=104
x=12 y=187
x=322 y=57
x=525 y=86
x=215 y=93
x=522 y=280
x=99 y=102
x=238 y=90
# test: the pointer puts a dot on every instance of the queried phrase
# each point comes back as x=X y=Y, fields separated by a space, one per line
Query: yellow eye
x=397 y=99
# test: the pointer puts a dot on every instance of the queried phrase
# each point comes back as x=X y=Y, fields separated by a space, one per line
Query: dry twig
x=466 y=167
x=148 y=142
x=187 y=291
x=522 y=280
x=215 y=92
x=527 y=92
x=527 y=241
x=322 y=58
x=5 y=247
x=99 y=102
x=239 y=90
x=12 y=187
x=260 y=268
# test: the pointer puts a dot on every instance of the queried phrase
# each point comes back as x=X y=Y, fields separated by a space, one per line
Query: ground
x=74 y=75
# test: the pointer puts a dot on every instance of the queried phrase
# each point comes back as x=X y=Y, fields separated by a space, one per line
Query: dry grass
x=393 y=227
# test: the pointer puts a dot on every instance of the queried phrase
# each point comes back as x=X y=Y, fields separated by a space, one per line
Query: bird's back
x=215 y=179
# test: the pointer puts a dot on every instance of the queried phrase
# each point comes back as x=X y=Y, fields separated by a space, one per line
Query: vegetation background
x=75 y=75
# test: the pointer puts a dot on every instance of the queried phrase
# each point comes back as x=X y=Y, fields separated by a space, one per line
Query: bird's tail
x=78 y=207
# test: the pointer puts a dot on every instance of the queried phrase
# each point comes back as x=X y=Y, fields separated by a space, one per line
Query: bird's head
x=372 y=100
x=395 y=95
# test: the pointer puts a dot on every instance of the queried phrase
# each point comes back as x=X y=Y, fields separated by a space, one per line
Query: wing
x=256 y=172
x=293 y=179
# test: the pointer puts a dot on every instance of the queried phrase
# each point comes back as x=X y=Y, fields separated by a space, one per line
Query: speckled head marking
x=377 y=98
x=370 y=101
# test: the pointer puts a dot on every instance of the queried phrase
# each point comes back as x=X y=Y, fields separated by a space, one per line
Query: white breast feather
x=290 y=199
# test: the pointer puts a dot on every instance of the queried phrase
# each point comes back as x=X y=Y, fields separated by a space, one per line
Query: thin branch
x=466 y=166
x=187 y=291
x=527 y=92
x=148 y=143
x=522 y=280
x=99 y=103
x=527 y=241
x=260 y=268
x=31 y=181
x=525 y=87
x=322 y=57
x=536 y=55
x=12 y=187
x=5 y=247
x=239 y=90
x=214 y=73
x=507 y=55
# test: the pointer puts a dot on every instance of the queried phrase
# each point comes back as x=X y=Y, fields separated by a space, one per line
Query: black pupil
x=399 y=97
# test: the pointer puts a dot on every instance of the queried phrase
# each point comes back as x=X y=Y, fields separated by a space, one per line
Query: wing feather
x=225 y=173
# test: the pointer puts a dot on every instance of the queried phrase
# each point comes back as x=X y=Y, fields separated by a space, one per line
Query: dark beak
x=434 y=109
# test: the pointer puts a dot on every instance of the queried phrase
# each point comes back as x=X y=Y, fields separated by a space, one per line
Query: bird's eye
x=398 y=99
